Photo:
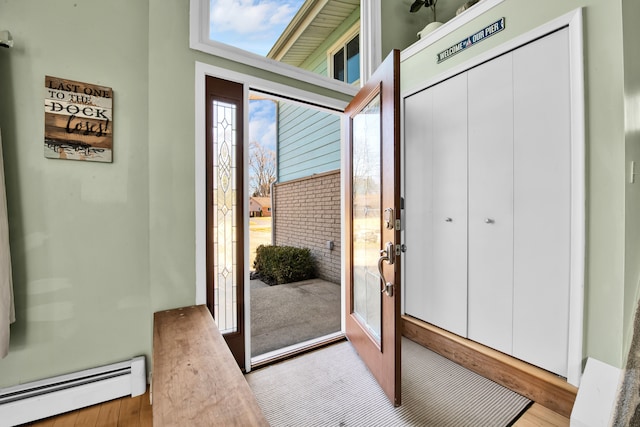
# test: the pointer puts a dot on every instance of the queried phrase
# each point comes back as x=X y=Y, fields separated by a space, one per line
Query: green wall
x=631 y=31
x=400 y=27
x=605 y=148
x=97 y=248
x=171 y=150
x=79 y=231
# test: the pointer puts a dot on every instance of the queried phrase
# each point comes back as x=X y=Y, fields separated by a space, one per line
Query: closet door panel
x=436 y=205
x=542 y=207
x=447 y=294
x=418 y=183
x=491 y=203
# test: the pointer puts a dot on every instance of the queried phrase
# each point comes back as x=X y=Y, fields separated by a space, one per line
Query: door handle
x=388 y=255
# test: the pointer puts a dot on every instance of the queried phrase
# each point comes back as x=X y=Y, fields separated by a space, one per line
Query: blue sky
x=262 y=128
x=262 y=122
x=252 y=25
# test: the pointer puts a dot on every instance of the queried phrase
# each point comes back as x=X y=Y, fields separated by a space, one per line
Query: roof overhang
x=309 y=28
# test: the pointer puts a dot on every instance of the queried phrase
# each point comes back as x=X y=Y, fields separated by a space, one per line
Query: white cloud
x=250 y=16
x=262 y=123
x=283 y=14
x=264 y=133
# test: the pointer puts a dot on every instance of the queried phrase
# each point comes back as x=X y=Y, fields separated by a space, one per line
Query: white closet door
x=436 y=205
x=542 y=207
x=446 y=295
x=418 y=182
x=491 y=203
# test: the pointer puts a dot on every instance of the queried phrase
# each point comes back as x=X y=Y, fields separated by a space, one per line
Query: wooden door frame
x=233 y=93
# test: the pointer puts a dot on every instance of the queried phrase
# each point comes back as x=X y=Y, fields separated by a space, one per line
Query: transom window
x=244 y=31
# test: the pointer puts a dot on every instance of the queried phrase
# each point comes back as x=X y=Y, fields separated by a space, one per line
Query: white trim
x=403 y=234
x=370 y=38
x=200 y=185
x=249 y=82
x=448 y=27
x=245 y=226
x=572 y=20
x=342 y=44
x=199 y=40
x=578 y=199
x=294 y=349
x=268 y=86
x=36 y=400
x=343 y=230
x=553 y=25
x=597 y=398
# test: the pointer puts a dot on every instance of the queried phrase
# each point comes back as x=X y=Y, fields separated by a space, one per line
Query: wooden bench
x=196 y=380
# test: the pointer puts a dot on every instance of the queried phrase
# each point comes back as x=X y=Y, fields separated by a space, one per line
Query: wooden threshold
x=543 y=387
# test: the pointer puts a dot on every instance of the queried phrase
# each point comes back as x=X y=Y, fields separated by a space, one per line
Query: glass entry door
x=373 y=225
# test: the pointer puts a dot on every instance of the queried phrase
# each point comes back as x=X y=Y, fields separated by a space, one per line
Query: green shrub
x=276 y=265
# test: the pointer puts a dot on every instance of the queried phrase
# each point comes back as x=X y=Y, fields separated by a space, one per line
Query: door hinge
x=398 y=224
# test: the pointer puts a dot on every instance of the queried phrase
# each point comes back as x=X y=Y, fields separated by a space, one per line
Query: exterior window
x=346 y=61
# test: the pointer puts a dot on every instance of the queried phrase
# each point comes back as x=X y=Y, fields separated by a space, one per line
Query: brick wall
x=306 y=214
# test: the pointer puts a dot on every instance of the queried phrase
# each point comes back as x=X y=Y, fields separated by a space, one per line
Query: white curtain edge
x=7 y=312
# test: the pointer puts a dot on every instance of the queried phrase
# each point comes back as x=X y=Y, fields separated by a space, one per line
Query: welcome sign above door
x=481 y=35
x=78 y=120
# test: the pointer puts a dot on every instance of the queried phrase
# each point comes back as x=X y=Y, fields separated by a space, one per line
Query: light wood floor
x=539 y=416
x=125 y=412
x=136 y=411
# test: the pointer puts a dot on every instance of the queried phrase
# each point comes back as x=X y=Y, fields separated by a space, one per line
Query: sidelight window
x=224 y=214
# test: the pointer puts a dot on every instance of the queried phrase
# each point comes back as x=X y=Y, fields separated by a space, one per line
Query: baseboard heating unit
x=41 y=399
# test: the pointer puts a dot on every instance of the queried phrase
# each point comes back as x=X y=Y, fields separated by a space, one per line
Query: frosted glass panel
x=366 y=216
x=224 y=214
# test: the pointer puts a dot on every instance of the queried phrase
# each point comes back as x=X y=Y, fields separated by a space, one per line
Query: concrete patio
x=283 y=315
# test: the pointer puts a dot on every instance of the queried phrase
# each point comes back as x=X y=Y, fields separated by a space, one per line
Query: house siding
x=320 y=151
x=308 y=142
x=307 y=214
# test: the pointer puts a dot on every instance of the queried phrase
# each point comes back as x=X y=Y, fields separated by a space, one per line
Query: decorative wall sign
x=481 y=35
x=78 y=120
